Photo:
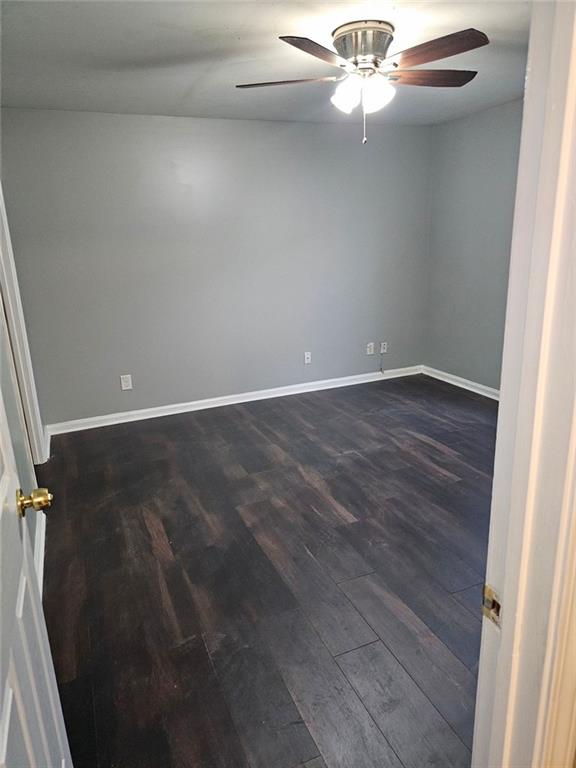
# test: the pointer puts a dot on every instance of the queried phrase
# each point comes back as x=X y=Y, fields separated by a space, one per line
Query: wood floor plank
x=417 y=732
x=306 y=514
x=342 y=728
x=196 y=719
x=225 y=602
x=267 y=720
x=415 y=587
x=397 y=526
x=468 y=503
x=70 y=637
x=317 y=762
x=446 y=527
x=76 y=697
x=129 y=728
x=445 y=680
x=335 y=619
x=471 y=599
x=229 y=573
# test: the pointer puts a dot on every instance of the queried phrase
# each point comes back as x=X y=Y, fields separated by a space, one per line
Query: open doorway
x=298 y=575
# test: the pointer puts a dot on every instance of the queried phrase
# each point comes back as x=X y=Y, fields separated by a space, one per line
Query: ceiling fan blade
x=440 y=48
x=439 y=78
x=315 y=49
x=291 y=82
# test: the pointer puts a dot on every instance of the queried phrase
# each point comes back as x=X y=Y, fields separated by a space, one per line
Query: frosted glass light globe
x=348 y=94
x=376 y=93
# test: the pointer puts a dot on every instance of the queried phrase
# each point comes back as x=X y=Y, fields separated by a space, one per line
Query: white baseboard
x=110 y=419
x=458 y=381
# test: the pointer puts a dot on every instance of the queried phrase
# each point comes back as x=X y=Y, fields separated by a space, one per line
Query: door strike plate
x=491 y=606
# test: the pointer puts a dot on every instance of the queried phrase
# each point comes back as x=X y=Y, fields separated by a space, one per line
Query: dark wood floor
x=292 y=582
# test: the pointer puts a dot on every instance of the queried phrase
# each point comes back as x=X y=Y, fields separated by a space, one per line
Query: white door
x=32 y=733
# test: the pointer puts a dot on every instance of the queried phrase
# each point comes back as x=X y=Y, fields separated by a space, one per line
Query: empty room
x=261 y=274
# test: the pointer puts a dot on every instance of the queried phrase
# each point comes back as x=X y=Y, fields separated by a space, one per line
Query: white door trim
x=556 y=736
x=527 y=679
x=19 y=340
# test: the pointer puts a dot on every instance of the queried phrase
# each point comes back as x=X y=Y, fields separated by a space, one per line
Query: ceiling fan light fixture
x=374 y=92
x=377 y=92
x=348 y=94
x=366 y=69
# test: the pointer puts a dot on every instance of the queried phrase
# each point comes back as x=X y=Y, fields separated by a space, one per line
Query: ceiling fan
x=369 y=74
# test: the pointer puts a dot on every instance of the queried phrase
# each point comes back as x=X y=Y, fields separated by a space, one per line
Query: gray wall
x=205 y=256
x=473 y=185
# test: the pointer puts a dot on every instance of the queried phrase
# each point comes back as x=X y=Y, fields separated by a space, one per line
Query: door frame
x=37 y=436
x=526 y=711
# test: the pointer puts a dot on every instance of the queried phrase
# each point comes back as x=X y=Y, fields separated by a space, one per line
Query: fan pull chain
x=364 y=139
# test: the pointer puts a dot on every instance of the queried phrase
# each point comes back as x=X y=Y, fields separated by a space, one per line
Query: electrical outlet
x=126 y=381
x=383 y=347
x=370 y=348
x=307 y=358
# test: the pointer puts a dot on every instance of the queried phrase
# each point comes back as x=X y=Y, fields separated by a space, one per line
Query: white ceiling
x=184 y=58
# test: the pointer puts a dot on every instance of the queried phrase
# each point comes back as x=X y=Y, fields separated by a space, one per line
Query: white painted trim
x=556 y=736
x=39 y=548
x=93 y=422
x=458 y=381
x=19 y=341
x=109 y=419
x=46 y=445
x=527 y=680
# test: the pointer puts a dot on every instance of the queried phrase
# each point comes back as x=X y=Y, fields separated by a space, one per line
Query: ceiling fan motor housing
x=363 y=42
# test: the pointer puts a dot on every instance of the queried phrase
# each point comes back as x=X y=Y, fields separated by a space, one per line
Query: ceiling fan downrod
x=364 y=44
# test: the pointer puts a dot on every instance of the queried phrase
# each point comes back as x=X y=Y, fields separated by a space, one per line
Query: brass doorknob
x=40 y=498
